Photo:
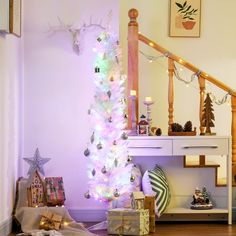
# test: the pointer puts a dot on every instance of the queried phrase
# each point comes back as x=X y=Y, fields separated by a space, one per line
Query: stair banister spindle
x=133 y=62
x=171 y=93
x=202 y=88
x=233 y=132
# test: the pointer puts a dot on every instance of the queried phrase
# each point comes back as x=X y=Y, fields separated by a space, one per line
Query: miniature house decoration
x=137 y=200
x=35 y=190
x=143 y=126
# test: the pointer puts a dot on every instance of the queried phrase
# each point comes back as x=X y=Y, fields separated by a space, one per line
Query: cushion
x=155 y=183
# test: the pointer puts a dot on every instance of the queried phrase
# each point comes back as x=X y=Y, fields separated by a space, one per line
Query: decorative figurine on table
x=143 y=126
x=201 y=200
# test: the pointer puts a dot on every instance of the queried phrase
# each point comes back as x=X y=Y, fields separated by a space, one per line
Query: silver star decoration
x=36 y=163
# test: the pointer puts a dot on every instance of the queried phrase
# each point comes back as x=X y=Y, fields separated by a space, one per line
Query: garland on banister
x=194 y=76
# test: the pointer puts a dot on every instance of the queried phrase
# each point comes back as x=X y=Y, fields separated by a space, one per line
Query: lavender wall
x=58 y=89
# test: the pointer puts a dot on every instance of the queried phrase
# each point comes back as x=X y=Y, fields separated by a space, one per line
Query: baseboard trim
x=5 y=227
x=88 y=215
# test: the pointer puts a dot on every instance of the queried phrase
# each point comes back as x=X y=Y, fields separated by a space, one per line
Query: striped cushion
x=159 y=187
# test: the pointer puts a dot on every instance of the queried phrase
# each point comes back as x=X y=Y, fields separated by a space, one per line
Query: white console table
x=146 y=146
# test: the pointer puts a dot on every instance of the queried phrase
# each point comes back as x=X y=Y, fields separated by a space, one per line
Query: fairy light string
x=189 y=82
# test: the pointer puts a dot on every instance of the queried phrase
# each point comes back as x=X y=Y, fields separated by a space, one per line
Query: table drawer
x=209 y=146
x=150 y=147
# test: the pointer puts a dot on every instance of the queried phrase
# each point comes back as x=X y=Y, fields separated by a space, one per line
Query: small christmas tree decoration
x=99 y=39
x=89 y=111
x=115 y=162
x=110 y=119
x=86 y=152
x=208 y=115
x=87 y=195
x=188 y=126
x=126 y=116
x=112 y=79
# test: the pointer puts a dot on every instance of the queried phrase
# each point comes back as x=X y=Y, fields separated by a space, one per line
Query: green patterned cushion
x=159 y=187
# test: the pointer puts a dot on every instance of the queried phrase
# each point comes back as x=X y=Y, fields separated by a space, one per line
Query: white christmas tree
x=110 y=176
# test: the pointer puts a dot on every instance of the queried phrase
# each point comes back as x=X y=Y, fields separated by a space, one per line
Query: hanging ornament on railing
x=219 y=101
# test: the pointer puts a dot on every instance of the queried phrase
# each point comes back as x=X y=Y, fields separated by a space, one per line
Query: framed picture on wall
x=15 y=17
x=185 y=18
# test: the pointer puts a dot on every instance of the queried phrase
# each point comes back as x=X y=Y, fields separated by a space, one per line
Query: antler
x=75 y=32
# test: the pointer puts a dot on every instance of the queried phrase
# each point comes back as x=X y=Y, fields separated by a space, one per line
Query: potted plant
x=187 y=14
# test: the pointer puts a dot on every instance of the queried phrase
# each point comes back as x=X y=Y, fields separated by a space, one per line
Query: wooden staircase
x=133 y=50
x=201 y=163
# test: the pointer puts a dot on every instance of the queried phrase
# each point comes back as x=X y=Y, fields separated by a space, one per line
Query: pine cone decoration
x=188 y=126
x=175 y=127
x=158 y=132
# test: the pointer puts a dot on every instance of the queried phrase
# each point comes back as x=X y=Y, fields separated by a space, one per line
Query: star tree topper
x=36 y=163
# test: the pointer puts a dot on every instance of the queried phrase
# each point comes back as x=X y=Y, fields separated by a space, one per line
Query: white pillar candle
x=148 y=99
x=132 y=93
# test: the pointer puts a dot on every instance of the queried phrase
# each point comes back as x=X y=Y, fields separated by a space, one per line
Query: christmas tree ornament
x=132 y=178
x=99 y=39
x=36 y=163
x=89 y=112
x=92 y=138
x=114 y=142
x=87 y=195
x=112 y=79
x=126 y=116
x=93 y=172
x=109 y=94
x=129 y=159
x=99 y=146
x=97 y=69
x=116 y=193
x=110 y=119
x=86 y=152
x=104 y=170
x=115 y=162
x=124 y=136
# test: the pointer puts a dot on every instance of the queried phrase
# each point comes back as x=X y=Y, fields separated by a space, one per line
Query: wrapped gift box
x=128 y=221
x=149 y=203
x=55 y=194
x=50 y=221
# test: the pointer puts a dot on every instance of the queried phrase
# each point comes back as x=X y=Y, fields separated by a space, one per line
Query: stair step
x=195 y=164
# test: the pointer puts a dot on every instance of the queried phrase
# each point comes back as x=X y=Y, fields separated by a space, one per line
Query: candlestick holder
x=149 y=119
x=133 y=116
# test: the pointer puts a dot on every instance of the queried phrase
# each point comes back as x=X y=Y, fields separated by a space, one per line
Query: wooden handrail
x=186 y=64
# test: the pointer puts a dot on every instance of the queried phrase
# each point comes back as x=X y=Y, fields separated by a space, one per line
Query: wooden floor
x=188 y=229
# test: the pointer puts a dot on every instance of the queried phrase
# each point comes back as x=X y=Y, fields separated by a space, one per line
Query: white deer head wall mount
x=76 y=32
